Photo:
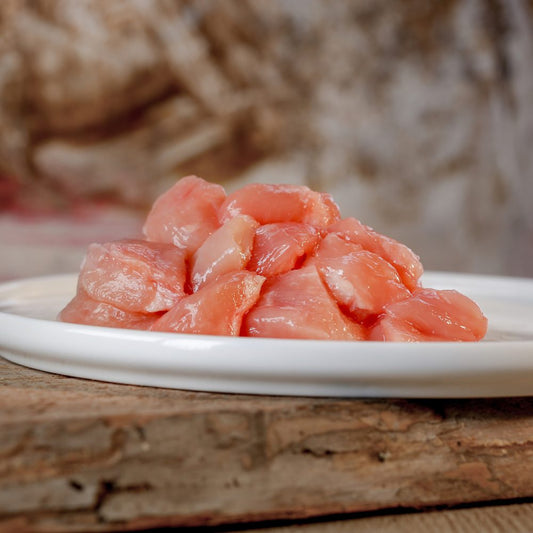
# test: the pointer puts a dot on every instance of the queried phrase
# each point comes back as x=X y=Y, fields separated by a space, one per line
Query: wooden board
x=91 y=456
x=493 y=519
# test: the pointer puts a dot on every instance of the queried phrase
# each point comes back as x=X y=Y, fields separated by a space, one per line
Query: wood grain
x=91 y=456
x=495 y=519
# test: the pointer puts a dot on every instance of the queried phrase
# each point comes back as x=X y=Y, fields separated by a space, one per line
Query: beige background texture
x=417 y=116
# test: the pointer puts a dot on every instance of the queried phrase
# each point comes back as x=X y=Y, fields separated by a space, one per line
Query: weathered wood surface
x=91 y=456
x=494 y=519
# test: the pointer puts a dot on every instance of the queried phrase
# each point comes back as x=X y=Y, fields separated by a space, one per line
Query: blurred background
x=417 y=116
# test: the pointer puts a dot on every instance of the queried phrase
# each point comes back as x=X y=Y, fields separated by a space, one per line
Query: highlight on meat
x=265 y=261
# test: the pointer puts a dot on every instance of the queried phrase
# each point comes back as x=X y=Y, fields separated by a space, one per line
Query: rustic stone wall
x=416 y=115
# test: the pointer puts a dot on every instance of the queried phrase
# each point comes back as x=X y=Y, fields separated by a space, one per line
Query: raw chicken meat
x=84 y=310
x=204 y=264
x=186 y=214
x=331 y=247
x=228 y=249
x=133 y=275
x=297 y=305
x=279 y=247
x=281 y=203
x=397 y=254
x=215 y=309
x=431 y=315
x=362 y=283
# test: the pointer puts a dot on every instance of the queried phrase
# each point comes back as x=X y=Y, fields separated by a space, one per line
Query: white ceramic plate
x=501 y=365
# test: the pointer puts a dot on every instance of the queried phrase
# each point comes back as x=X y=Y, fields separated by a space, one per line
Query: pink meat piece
x=216 y=308
x=331 y=247
x=400 y=256
x=278 y=247
x=134 y=275
x=186 y=214
x=362 y=283
x=84 y=310
x=281 y=203
x=228 y=249
x=431 y=315
x=297 y=305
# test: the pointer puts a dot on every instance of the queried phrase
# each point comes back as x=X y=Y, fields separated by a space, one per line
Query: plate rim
x=396 y=373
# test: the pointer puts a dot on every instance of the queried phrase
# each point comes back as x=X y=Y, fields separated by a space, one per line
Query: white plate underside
x=501 y=365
